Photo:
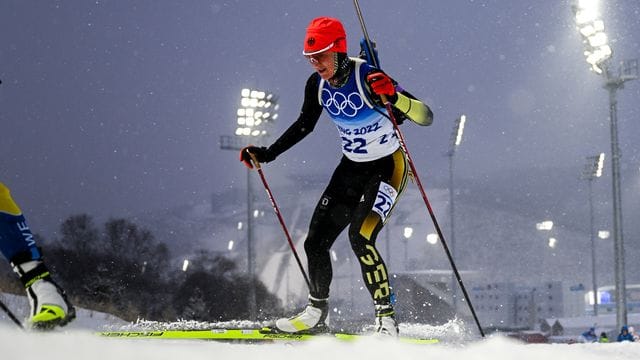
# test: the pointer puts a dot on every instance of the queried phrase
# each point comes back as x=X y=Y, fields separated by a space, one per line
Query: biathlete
x=369 y=178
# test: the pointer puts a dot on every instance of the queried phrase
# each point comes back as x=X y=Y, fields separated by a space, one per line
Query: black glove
x=398 y=115
x=262 y=154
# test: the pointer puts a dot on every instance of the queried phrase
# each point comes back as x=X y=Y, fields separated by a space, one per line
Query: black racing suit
x=348 y=200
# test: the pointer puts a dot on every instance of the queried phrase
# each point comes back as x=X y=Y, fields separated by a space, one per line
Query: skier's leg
x=49 y=304
x=330 y=218
x=380 y=196
x=13 y=239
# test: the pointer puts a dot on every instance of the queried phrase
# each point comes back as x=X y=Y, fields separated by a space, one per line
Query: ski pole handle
x=384 y=99
x=254 y=160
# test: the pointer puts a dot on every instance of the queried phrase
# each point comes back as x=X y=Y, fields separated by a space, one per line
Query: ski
x=245 y=335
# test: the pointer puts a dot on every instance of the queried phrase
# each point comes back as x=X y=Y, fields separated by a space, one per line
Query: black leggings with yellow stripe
x=360 y=195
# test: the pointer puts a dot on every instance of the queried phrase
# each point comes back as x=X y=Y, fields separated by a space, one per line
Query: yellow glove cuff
x=415 y=110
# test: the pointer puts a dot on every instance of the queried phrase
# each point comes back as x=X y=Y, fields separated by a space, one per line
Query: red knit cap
x=324 y=33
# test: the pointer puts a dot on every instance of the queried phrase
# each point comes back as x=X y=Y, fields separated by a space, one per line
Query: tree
x=124 y=239
x=79 y=233
x=224 y=290
x=123 y=270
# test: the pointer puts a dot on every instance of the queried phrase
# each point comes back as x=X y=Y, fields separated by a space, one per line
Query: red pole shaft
x=279 y=215
x=403 y=145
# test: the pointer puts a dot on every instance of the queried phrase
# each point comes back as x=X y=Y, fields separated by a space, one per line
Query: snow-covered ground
x=82 y=345
x=78 y=341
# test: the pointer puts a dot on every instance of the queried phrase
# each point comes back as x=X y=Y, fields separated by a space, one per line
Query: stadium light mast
x=456 y=140
x=407 y=233
x=598 y=53
x=592 y=171
x=256 y=111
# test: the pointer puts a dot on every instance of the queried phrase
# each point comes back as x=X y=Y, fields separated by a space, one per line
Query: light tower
x=456 y=140
x=593 y=170
x=598 y=53
x=256 y=111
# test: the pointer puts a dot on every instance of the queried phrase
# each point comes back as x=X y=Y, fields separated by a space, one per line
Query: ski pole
x=10 y=314
x=365 y=33
x=387 y=104
x=277 y=211
x=403 y=145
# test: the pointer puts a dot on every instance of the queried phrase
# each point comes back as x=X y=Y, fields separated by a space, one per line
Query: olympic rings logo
x=338 y=103
x=388 y=189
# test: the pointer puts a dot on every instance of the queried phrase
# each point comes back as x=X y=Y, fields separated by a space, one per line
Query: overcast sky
x=116 y=107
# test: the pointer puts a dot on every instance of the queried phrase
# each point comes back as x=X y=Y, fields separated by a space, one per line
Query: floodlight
x=600 y=165
x=587 y=30
x=586 y=11
x=597 y=40
x=461 y=122
x=456 y=135
x=598 y=25
x=251 y=114
x=591 y=27
x=545 y=225
x=593 y=167
x=432 y=238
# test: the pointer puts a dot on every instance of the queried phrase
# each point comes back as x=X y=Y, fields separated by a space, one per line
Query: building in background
x=507 y=305
x=607 y=300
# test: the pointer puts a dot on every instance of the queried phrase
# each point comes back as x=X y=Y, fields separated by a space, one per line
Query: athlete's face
x=323 y=63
